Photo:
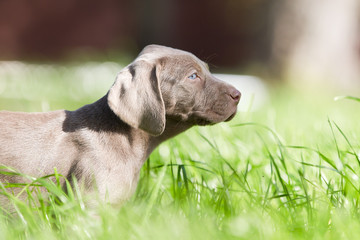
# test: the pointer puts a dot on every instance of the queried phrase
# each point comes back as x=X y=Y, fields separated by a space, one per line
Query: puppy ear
x=136 y=99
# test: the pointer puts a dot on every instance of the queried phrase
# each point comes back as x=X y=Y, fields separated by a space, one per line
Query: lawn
x=290 y=170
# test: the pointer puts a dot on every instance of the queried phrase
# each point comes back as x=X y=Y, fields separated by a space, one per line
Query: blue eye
x=193 y=76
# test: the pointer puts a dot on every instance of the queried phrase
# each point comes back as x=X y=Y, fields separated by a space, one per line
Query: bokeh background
x=304 y=42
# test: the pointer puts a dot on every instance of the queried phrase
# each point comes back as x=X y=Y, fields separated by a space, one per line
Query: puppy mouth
x=206 y=121
x=231 y=117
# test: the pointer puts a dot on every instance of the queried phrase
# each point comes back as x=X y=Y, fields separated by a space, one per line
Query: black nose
x=235 y=95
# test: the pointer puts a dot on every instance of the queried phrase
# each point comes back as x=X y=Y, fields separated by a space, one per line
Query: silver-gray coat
x=163 y=92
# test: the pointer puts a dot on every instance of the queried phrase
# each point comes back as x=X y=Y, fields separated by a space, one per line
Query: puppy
x=162 y=93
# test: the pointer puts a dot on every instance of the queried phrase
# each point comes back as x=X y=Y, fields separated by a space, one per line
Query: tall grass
x=290 y=170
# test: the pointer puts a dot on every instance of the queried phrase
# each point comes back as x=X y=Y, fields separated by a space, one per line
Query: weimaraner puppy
x=162 y=93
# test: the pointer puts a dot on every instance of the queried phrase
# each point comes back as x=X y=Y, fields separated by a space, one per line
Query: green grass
x=290 y=170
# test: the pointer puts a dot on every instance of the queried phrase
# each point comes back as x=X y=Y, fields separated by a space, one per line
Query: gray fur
x=104 y=144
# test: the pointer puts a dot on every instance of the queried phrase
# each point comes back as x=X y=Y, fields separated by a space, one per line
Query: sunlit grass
x=290 y=170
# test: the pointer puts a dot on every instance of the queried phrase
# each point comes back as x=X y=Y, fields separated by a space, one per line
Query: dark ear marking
x=136 y=98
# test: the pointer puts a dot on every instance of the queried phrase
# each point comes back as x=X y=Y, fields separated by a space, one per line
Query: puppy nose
x=235 y=95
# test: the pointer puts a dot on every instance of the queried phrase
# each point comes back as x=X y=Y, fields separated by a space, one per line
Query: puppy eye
x=193 y=76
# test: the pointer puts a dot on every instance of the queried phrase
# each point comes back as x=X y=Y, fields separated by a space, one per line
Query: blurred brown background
x=230 y=33
x=297 y=40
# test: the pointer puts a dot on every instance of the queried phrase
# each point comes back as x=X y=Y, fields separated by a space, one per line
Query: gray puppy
x=162 y=93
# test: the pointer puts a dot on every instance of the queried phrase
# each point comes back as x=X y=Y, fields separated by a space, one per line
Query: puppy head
x=162 y=83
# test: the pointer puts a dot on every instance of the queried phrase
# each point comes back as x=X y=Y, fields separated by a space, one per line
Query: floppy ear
x=136 y=99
